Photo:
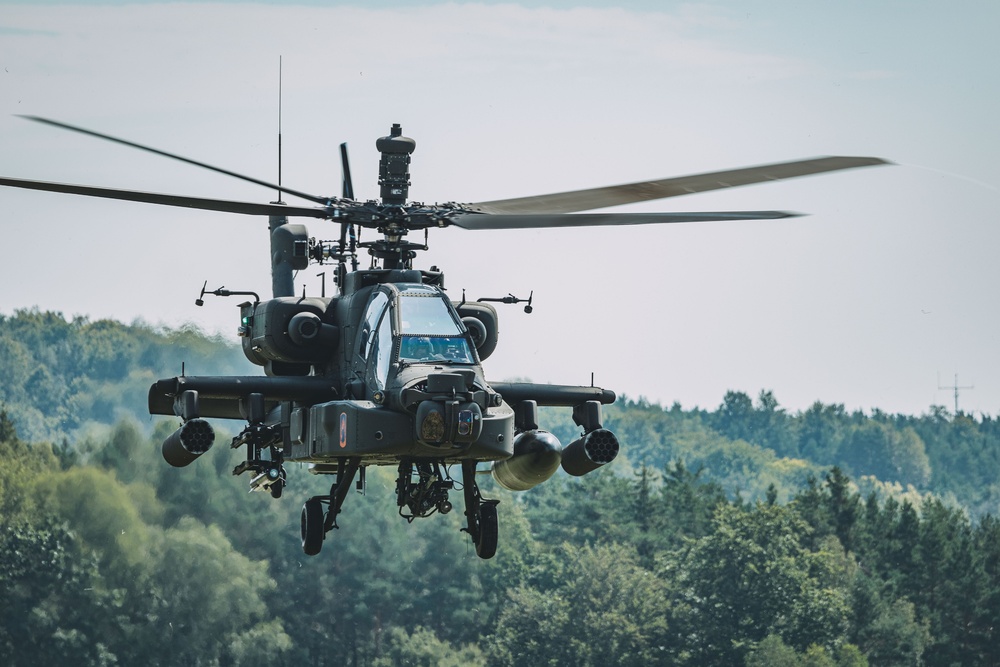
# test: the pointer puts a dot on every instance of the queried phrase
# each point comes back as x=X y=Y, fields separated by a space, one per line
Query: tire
x=489 y=531
x=312 y=527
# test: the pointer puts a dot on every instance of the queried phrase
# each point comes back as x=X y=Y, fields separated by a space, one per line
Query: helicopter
x=389 y=370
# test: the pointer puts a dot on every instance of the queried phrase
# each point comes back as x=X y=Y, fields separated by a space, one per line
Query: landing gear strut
x=315 y=525
x=481 y=514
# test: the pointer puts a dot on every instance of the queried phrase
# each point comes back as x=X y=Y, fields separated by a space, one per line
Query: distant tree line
x=61 y=376
x=750 y=445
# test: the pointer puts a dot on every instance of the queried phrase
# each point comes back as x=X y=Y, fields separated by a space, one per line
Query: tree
x=123 y=452
x=422 y=648
x=764 y=424
x=772 y=652
x=686 y=505
x=100 y=510
x=752 y=577
x=209 y=602
x=52 y=599
x=832 y=508
x=820 y=431
x=877 y=448
x=602 y=608
x=844 y=506
x=986 y=540
x=22 y=463
x=895 y=637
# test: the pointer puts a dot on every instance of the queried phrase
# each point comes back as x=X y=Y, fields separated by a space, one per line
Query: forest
x=739 y=535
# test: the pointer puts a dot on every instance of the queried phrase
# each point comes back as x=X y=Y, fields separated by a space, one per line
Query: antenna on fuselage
x=279 y=128
x=284 y=243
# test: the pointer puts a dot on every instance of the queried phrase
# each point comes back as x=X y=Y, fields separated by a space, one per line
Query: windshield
x=426 y=312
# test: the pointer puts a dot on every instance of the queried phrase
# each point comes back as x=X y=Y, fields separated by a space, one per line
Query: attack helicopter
x=388 y=371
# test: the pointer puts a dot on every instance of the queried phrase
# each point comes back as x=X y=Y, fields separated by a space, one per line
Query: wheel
x=312 y=527
x=277 y=488
x=489 y=530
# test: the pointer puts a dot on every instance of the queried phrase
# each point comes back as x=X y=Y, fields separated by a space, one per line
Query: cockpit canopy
x=421 y=319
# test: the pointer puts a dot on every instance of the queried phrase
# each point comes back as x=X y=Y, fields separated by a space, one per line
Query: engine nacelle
x=590 y=452
x=287 y=335
x=536 y=458
x=191 y=440
x=482 y=322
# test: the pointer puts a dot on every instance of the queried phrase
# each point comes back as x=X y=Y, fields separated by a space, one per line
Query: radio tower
x=955 y=387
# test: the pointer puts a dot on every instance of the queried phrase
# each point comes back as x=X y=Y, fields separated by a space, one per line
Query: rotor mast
x=394 y=184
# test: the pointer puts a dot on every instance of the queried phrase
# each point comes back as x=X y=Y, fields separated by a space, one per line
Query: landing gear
x=312 y=526
x=489 y=530
x=481 y=514
x=421 y=490
x=316 y=524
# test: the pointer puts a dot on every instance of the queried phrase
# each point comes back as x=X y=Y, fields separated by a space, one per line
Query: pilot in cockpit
x=418 y=348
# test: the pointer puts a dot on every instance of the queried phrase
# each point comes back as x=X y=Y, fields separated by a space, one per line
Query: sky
x=882 y=295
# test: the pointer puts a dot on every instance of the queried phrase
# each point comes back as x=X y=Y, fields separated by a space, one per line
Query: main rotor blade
x=529 y=221
x=124 y=142
x=615 y=195
x=246 y=208
x=345 y=169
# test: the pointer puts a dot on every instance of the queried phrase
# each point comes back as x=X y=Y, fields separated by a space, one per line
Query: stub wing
x=221 y=396
x=552 y=395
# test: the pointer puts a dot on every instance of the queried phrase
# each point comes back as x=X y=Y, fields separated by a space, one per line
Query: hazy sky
x=887 y=288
